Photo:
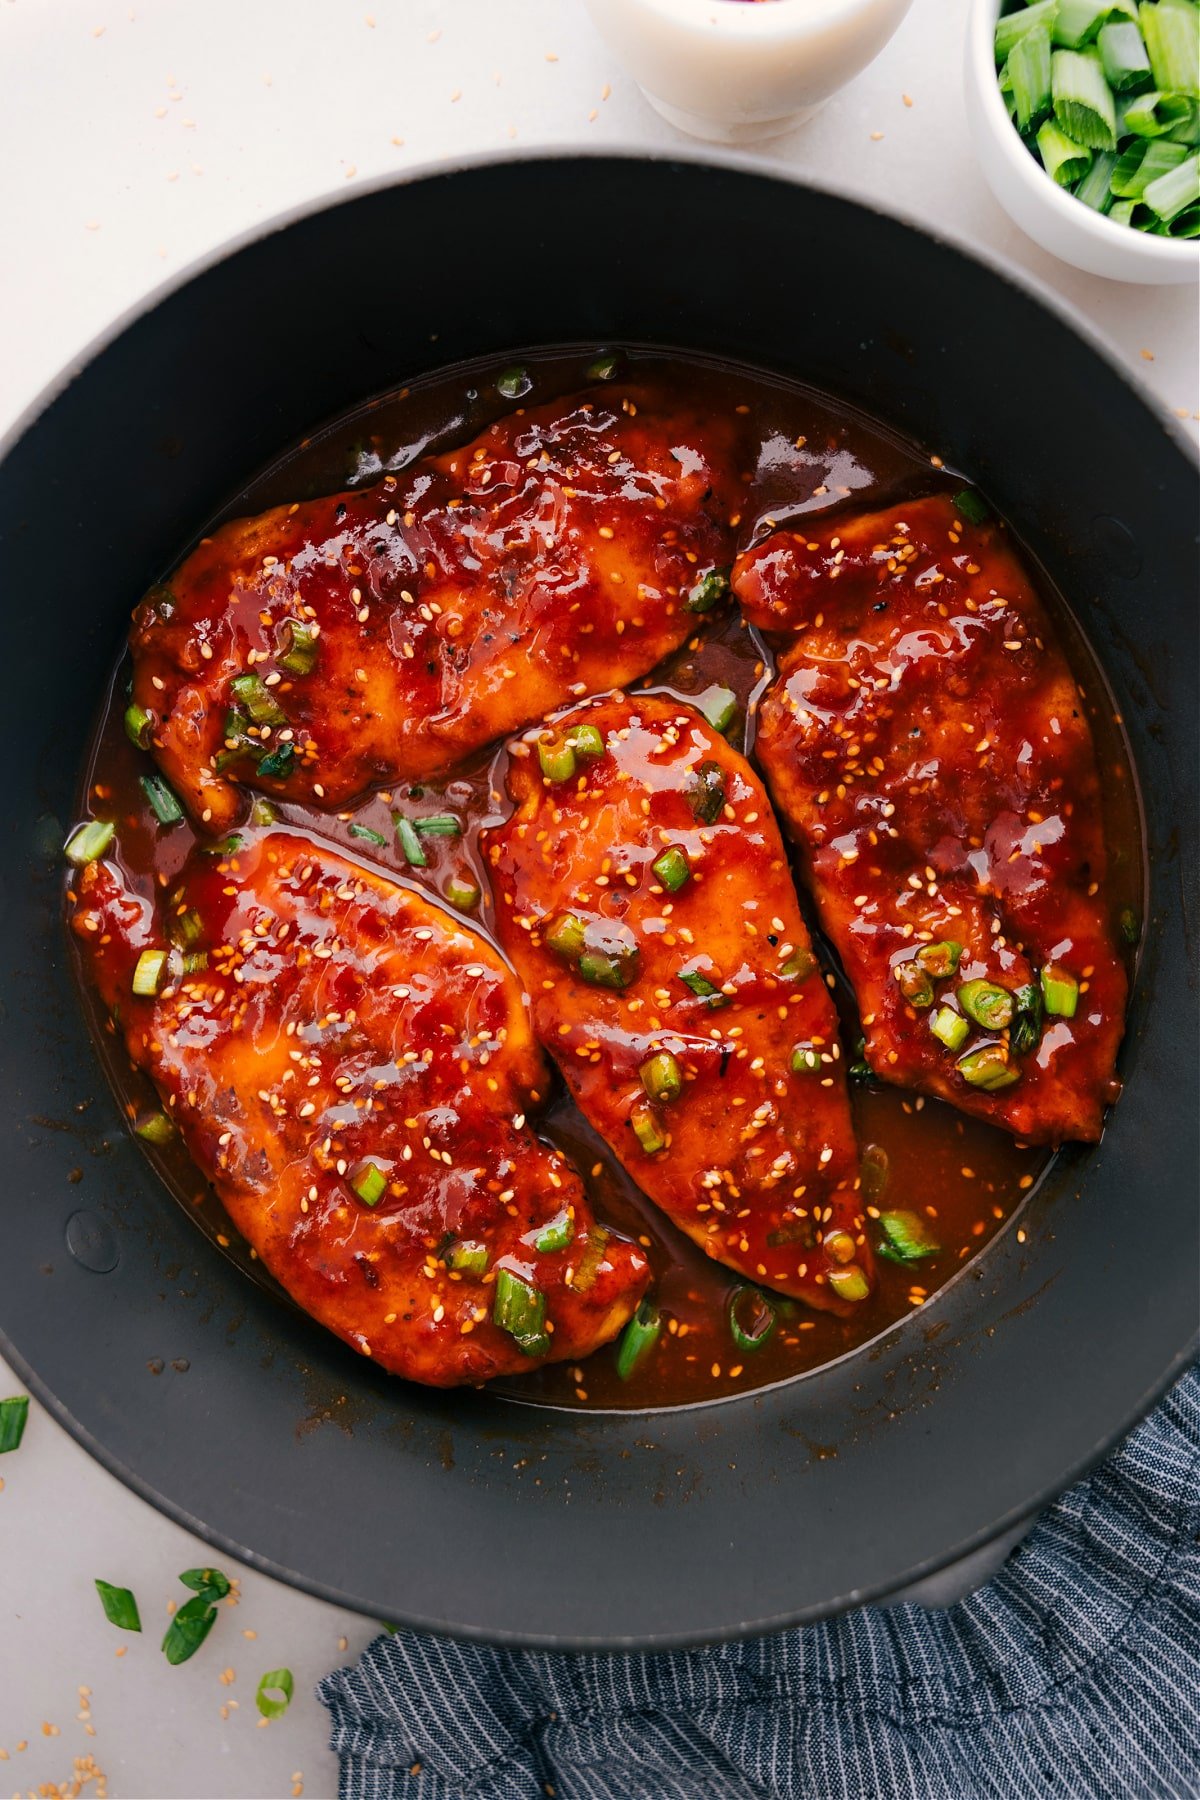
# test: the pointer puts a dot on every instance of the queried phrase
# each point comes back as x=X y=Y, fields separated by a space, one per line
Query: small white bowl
x=1053 y=218
x=734 y=71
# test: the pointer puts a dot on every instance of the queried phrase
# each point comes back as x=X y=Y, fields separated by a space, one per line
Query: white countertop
x=134 y=139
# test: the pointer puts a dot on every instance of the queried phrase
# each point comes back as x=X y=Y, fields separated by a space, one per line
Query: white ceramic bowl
x=1053 y=218
x=732 y=71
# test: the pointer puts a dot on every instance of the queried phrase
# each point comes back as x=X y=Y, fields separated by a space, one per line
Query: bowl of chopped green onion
x=1086 y=116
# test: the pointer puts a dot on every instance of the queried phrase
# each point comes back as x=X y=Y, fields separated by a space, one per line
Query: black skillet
x=464 y=1512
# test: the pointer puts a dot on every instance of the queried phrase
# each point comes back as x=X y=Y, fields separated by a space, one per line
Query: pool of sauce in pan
x=966 y=1177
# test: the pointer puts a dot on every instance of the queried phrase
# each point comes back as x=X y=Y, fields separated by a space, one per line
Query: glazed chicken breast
x=928 y=746
x=353 y=1069
x=388 y=632
x=643 y=895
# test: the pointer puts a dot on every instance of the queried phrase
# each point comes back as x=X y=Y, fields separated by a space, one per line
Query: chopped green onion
x=468 y=1257
x=1123 y=57
x=988 y=1068
x=949 y=1027
x=703 y=988
x=439 y=825
x=371 y=837
x=1026 y=1030
x=1060 y=991
x=274 y=1694
x=161 y=800
x=520 y=1309
x=149 y=971
x=120 y=1607
x=564 y=935
x=256 y=698
x=662 y=1077
x=989 y=1005
x=705 y=791
x=87 y=843
x=647 y=1129
x=860 y=1069
x=1155 y=115
x=14 y=1412
x=1172 y=37
x=1029 y=77
x=799 y=965
x=188 y=1629
x=913 y=983
x=194 y=961
x=1077 y=22
x=708 y=592
x=155 y=1128
x=849 y=1282
x=1141 y=163
x=300 y=651
x=752 y=1319
x=185 y=928
x=1083 y=104
x=638 y=1338
x=557 y=760
x=463 y=892
x=940 y=960
x=672 y=868
x=1121 y=212
x=138 y=725
x=1131 y=929
x=603 y=369
x=370 y=1184
x=1064 y=161
x=874 y=1173
x=1094 y=189
x=226 y=846
x=609 y=968
x=973 y=507
x=1015 y=25
x=719 y=706
x=907 y=1238
x=410 y=843
x=805 y=1060
x=514 y=382
x=556 y=1235
x=585 y=740
x=588 y=1267
x=211 y=1583
x=1178 y=189
x=277 y=766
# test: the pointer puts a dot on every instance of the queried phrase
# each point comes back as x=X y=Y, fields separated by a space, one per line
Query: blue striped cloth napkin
x=1074 y=1675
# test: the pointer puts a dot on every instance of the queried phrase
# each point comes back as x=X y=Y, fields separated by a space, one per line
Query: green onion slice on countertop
x=120 y=1607
x=274 y=1694
x=87 y=843
x=638 y=1338
x=14 y=1412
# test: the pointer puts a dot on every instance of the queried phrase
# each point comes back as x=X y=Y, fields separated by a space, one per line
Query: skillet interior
x=464 y=1512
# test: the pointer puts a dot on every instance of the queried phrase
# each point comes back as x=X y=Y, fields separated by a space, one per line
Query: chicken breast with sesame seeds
x=928 y=746
x=643 y=895
x=352 y=1069
x=390 y=631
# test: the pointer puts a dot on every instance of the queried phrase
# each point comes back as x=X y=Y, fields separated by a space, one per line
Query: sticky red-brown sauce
x=966 y=1177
